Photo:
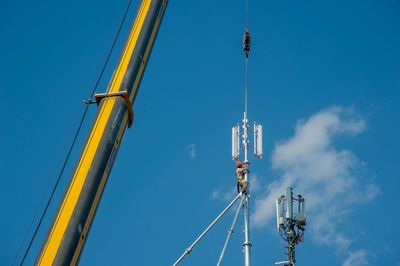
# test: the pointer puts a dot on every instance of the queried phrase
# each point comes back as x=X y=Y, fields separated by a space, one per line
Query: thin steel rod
x=230 y=232
x=189 y=249
x=281 y=262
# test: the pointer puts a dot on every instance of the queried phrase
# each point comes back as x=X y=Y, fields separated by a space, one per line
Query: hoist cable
x=247 y=13
x=69 y=150
x=245 y=86
x=246 y=48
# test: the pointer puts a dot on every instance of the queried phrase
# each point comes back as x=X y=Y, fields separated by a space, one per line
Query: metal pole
x=291 y=254
x=189 y=249
x=230 y=232
x=292 y=232
x=246 y=243
x=245 y=140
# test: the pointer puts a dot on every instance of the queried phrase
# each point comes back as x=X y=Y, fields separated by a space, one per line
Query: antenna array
x=291 y=223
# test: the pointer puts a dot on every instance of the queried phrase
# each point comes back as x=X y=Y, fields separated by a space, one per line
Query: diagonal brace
x=189 y=249
x=230 y=232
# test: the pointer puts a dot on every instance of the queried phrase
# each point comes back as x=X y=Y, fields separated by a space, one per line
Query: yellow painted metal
x=130 y=46
x=97 y=197
x=145 y=57
x=64 y=215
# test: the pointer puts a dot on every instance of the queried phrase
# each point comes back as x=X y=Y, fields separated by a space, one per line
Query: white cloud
x=256 y=183
x=329 y=178
x=192 y=150
x=356 y=258
x=223 y=194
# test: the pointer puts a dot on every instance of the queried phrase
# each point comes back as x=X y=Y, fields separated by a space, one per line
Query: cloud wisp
x=192 y=150
x=222 y=194
x=329 y=178
x=356 y=258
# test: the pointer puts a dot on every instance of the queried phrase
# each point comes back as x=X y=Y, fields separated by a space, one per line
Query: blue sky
x=324 y=82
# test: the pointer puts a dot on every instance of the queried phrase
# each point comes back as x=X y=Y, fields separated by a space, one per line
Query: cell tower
x=245 y=147
x=290 y=224
x=240 y=146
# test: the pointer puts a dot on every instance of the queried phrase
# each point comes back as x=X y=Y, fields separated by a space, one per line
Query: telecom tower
x=290 y=223
x=238 y=148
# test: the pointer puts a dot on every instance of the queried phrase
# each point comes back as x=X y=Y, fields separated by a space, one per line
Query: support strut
x=189 y=249
x=230 y=232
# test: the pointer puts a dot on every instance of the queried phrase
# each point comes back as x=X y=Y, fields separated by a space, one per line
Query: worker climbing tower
x=240 y=150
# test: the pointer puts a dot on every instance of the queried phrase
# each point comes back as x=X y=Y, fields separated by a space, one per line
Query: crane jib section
x=67 y=235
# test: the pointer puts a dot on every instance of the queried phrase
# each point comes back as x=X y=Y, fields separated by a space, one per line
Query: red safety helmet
x=239 y=164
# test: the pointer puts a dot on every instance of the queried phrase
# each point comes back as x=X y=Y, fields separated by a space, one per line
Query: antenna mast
x=290 y=224
x=236 y=147
x=240 y=142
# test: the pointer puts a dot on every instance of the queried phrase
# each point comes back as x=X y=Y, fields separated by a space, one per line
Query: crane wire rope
x=69 y=151
x=247 y=56
x=247 y=12
x=246 y=86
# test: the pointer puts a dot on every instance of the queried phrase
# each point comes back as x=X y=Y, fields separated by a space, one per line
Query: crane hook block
x=246 y=42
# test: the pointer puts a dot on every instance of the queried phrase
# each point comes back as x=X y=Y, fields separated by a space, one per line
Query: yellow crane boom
x=68 y=232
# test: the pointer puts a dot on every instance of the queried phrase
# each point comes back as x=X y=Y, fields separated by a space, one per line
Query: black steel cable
x=245 y=88
x=246 y=46
x=70 y=148
x=247 y=13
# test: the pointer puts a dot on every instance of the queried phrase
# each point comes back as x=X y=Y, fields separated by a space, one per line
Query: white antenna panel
x=302 y=204
x=278 y=215
x=235 y=142
x=289 y=203
x=258 y=142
